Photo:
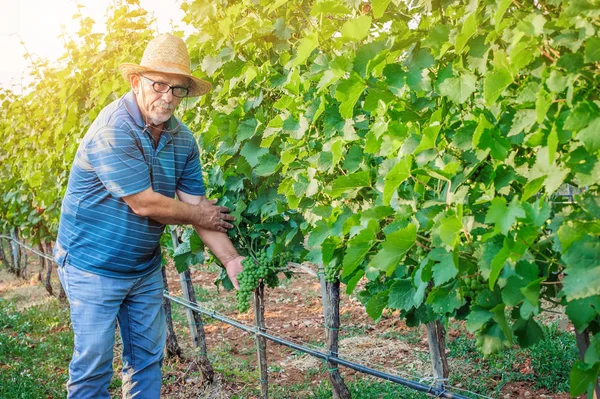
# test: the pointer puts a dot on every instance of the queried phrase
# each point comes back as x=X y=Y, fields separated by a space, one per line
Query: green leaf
x=477 y=318
x=318 y=234
x=348 y=92
x=402 y=293
x=267 y=165
x=449 y=230
x=445 y=300
x=305 y=48
x=356 y=29
x=394 y=248
x=246 y=129
x=350 y=183
x=329 y=7
x=460 y=88
x=523 y=121
x=590 y=136
x=556 y=82
x=252 y=152
x=583 y=273
x=528 y=332
x=583 y=377
x=395 y=177
x=592 y=355
x=353 y=282
x=358 y=247
x=592 y=50
x=581 y=115
x=526 y=273
x=376 y=305
x=502 y=7
x=532 y=187
x=538 y=212
x=469 y=28
x=504 y=216
x=444 y=269
x=582 y=311
x=492 y=340
x=542 y=104
x=495 y=83
x=379 y=7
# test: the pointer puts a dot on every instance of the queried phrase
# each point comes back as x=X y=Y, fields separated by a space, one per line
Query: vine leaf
x=394 y=248
x=528 y=332
x=459 y=89
x=350 y=183
x=504 y=216
x=348 y=92
x=395 y=177
x=356 y=29
x=583 y=273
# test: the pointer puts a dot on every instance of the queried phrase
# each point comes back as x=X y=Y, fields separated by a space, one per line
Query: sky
x=38 y=23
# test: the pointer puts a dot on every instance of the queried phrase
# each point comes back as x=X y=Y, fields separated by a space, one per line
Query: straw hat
x=167 y=54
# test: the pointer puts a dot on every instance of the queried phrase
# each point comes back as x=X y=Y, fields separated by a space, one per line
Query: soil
x=294 y=312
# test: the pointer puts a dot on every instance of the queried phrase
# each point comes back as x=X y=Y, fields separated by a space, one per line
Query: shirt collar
x=171 y=126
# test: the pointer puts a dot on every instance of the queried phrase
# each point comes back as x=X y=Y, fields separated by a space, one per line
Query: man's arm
x=202 y=212
x=218 y=242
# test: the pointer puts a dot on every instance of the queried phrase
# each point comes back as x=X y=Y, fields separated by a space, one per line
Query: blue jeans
x=97 y=304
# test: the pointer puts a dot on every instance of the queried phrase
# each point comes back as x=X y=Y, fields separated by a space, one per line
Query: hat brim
x=199 y=87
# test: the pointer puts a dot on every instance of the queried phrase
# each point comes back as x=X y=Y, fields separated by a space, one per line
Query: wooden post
x=194 y=320
x=583 y=343
x=261 y=342
x=332 y=325
x=15 y=251
x=47 y=282
x=436 y=337
x=172 y=347
x=2 y=255
x=205 y=367
x=324 y=300
x=40 y=249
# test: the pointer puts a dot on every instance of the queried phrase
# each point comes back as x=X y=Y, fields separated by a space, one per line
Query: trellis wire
x=303 y=347
x=439 y=393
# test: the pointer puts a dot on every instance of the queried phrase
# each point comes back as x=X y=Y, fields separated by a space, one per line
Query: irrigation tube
x=435 y=392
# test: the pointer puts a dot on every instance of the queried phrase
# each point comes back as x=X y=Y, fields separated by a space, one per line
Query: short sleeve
x=191 y=181
x=118 y=162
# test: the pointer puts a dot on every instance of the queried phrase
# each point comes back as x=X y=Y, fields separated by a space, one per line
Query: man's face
x=157 y=107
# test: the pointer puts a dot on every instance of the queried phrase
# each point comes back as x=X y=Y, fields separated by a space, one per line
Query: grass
x=36 y=345
x=549 y=361
x=35 y=350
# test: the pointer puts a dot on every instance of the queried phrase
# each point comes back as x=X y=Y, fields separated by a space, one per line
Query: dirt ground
x=292 y=312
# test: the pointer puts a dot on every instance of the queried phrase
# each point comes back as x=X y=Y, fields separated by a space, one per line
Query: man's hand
x=213 y=217
x=233 y=268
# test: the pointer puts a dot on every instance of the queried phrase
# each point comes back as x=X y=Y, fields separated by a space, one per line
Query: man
x=134 y=159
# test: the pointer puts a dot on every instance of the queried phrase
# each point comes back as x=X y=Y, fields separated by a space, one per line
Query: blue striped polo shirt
x=98 y=231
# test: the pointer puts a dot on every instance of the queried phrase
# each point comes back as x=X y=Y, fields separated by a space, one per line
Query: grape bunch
x=248 y=280
x=257 y=267
x=473 y=286
x=331 y=272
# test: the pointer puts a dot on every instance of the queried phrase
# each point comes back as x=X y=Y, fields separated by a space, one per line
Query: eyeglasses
x=161 y=87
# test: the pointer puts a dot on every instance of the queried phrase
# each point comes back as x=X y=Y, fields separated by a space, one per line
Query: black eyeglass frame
x=169 y=87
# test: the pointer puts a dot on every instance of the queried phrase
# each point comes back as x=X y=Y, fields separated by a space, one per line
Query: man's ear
x=135 y=82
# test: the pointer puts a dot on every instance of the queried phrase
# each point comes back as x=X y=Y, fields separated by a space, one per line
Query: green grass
x=35 y=350
x=549 y=360
x=36 y=345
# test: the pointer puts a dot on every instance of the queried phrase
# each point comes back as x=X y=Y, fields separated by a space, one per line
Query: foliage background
x=422 y=145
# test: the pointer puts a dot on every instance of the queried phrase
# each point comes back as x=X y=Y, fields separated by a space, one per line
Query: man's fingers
x=226 y=216
x=213 y=201
x=224 y=209
x=226 y=225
